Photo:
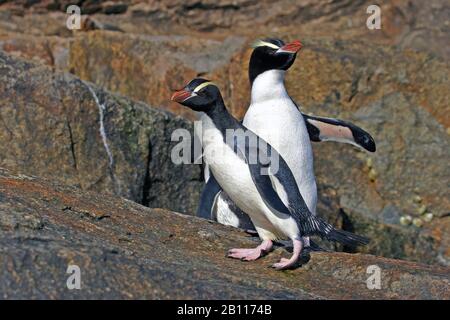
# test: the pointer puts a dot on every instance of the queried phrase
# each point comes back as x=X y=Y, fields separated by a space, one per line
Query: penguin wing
x=210 y=192
x=328 y=129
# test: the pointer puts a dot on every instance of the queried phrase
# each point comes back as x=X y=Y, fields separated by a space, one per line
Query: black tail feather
x=347 y=238
x=316 y=226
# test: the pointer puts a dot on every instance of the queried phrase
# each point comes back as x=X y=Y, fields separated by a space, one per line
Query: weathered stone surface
x=411 y=24
x=204 y=15
x=125 y=250
x=147 y=68
x=24 y=22
x=51 y=50
x=378 y=79
x=50 y=125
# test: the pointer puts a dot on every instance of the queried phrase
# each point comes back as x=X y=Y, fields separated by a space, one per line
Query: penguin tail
x=347 y=238
x=315 y=225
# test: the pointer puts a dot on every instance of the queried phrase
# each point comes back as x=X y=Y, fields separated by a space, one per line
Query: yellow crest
x=262 y=43
x=204 y=84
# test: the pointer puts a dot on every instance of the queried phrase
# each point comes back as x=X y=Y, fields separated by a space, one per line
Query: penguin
x=256 y=178
x=268 y=63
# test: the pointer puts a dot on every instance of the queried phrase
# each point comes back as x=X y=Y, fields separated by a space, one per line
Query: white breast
x=273 y=116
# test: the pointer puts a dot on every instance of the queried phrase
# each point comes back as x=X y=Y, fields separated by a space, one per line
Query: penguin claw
x=251 y=254
x=246 y=254
x=283 y=264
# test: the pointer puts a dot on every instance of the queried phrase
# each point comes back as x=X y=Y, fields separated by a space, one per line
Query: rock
x=147 y=68
x=204 y=15
x=51 y=24
x=409 y=127
x=50 y=125
x=412 y=24
x=419 y=25
x=89 y=24
x=110 y=7
x=371 y=207
x=52 y=51
x=87 y=7
x=128 y=251
x=393 y=82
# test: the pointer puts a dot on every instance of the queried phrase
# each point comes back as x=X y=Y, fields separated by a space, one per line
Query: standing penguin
x=256 y=178
x=275 y=116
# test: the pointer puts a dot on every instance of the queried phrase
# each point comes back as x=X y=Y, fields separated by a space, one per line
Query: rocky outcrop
x=408 y=24
x=203 y=15
x=393 y=82
x=55 y=125
x=147 y=68
x=125 y=250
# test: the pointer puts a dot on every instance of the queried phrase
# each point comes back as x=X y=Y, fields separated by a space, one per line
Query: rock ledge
x=125 y=250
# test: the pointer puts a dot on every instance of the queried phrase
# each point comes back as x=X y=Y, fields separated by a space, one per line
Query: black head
x=272 y=54
x=199 y=95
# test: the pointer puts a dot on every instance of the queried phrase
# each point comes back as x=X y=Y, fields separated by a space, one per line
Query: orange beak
x=291 y=47
x=180 y=96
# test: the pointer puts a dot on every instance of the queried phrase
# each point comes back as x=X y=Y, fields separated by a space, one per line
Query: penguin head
x=272 y=54
x=199 y=95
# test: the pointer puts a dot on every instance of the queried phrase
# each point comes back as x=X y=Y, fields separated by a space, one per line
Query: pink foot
x=251 y=254
x=287 y=263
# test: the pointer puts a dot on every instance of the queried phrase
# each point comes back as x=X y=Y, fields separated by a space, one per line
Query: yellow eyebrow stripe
x=261 y=43
x=201 y=86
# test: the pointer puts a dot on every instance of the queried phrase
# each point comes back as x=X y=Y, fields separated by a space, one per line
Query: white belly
x=279 y=122
x=233 y=175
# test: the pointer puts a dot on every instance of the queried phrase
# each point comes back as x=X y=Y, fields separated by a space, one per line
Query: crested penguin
x=256 y=178
x=268 y=63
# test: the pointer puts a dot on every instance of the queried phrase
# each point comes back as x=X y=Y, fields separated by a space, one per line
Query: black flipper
x=346 y=238
x=208 y=197
x=327 y=129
